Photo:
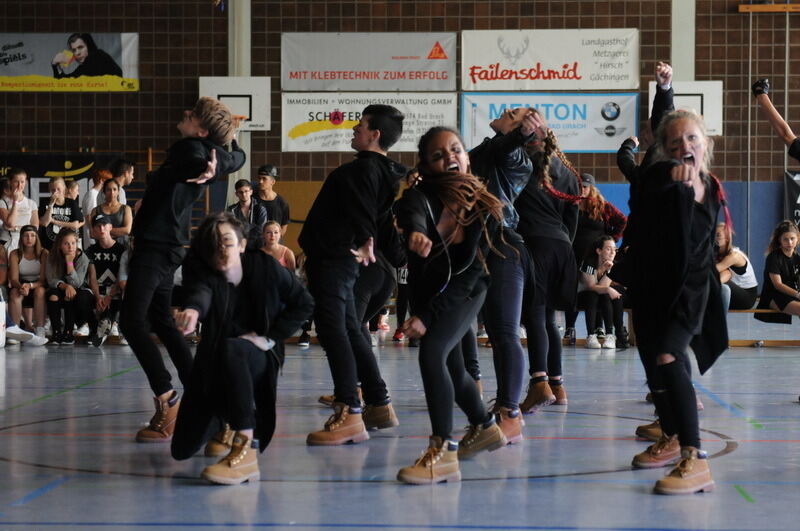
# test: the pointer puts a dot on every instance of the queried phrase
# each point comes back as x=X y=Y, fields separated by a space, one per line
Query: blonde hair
x=683 y=114
x=217 y=118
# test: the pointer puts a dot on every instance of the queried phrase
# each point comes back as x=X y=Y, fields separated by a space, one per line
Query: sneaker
x=398 y=336
x=539 y=395
x=523 y=334
x=560 y=393
x=83 y=330
x=220 y=443
x=600 y=333
x=114 y=330
x=413 y=342
x=67 y=338
x=481 y=437
x=481 y=332
x=342 y=427
x=36 y=341
x=510 y=422
x=41 y=332
x=650 y=432
x=663 y=452
x=240 y=465
x=121 y=340
x=55 y=339
x=438 y=463
x=379 y=417
x=623 y=341
x=383 y=323
x=592 y=341
x=690 y=475
x=304 y=341
x=96 y=340
x=610 y=342
x=163 y=422
x=104 y=328
x=11 y=341
x=17 y=333
x=569 y=335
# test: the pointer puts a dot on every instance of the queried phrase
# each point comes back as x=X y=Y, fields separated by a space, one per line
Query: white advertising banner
x=704 y=97
x=324 y=121
x=586 y=59
x=583 y=123
x=368 y=61
x=247 y=97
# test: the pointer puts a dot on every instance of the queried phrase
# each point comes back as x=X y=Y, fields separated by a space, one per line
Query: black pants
x=78 y=310
x=350 y=357
x=544 y=342
x=373 y=289
x=146 y=308
x=443 y=374
x=597 y=304
x=469 y=351
x=401 y=305
x=245 y=366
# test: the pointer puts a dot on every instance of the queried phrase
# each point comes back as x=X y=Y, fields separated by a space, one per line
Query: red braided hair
x=541 y=160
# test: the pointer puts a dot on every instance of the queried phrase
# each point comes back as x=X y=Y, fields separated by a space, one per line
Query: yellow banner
x=35 y=83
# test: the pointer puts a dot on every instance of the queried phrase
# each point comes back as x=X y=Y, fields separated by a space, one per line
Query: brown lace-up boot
x=438 y=463
x=342 y=427
x=220 y=443
x=240 y=465
x=163 y=422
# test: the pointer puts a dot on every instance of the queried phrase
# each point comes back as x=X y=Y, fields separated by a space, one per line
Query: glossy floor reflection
x=68 y=459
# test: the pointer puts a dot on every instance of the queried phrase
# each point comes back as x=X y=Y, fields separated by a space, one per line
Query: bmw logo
x=610 y=111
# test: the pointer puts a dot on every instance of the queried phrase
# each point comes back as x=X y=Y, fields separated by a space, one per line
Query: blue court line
x=41 y=491
x=736 y=411
x=352 y=526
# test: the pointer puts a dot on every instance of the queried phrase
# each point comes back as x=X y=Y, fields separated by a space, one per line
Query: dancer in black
x=249 y=304
x=340 y=233
x=548 y=211
x=449 y=218
x=161 y=230
x=675 y=292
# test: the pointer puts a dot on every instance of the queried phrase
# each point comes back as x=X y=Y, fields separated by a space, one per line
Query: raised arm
x=761 y=92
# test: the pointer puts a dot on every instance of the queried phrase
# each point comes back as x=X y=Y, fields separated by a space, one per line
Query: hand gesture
x=186 y=321
x=685 y=174
x=69 y=292
x=60 y=59
x=364 y=255
x=414 y=328
x=613 y=294
x=25 y=289
x=635 y=141
x=663 y=75
x=761 y=87
x=55 y=196
x=420 y=244
x=211 y=170
x=534 y=124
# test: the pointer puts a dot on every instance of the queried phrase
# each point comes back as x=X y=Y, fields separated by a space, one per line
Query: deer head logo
x=514 y=56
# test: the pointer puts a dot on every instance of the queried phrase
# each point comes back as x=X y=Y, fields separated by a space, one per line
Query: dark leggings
x=401 y=304
x=544 y=342
x=469 y=351
x=373 y=288
x=79 y=310
x=245 y=367
x=443 y=374
x=509 y=288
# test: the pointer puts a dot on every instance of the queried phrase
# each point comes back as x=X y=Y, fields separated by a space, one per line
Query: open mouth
x=453 y=166
x=688 y=159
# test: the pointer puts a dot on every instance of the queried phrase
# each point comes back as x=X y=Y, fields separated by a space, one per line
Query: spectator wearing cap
x=105 y=256
x=596 y=218
x=276 y=206
x=250 y=212
x=90 y=200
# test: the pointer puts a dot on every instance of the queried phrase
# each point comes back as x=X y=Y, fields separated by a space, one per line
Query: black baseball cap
x=101 y=219
x=268 y=169
x=587 y=178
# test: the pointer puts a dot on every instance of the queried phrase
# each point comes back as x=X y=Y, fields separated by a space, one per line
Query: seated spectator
x=16 y=210
x=58 y=212
x=735 y=271
x=249 y=212
x=27 y=281
x=281 y=253
x=104 y=260
x=73 y=190
x=249 y=305
x=121 y=215
x=276 y=206
x=596 y=292
x=90 y=201
x=68 y=288
x=779 y=291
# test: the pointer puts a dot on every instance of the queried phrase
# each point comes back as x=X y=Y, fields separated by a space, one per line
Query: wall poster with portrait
x=69 y=62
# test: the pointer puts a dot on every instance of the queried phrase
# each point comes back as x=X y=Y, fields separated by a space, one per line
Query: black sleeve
x=296 y=301
x=772 y=265
x=284 y=211
x=362 y=208
x=75 y=210
x=411 y=212
x=197 y=287
x=233 y=161
x=794 y=149
x=389 y=242
x=662 y=105
x=189 y=159
x=626 y=159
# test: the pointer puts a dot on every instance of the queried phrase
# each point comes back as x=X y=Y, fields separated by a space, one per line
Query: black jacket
x=279 y=302
x=166 y=211
x=544 y=216
x=663 y=104
x=656 y=268
x=447 y=276
x=97 y=63
x=254 y=222
x=354 y=201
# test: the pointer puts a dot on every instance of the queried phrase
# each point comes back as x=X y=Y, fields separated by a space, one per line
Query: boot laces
x=237 y=453
x=472 y=434
x=660 y=445
x=430 y=457
x=683 y=467
x=336 y=420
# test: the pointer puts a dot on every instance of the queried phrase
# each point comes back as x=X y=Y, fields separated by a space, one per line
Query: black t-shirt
x=106 y=264
x=277 y=209
x=69 y=211
x=794 y=149
x=788 y=267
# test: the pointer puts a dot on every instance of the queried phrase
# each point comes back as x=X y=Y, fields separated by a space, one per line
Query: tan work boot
x=329 y=400
x=510 y=422
x=539 y=395
x=379 y=417
x=560 y=393
x=220 y=443
x=650 y=432
x=663 y=452
x=438 y=463
x=689 y=476
x=163 y=422
x=479 y=438
x=240 y=465
x=342 y=427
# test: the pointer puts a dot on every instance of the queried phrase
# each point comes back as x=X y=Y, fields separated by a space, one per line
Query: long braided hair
x=464 y=195
x=541 y=157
